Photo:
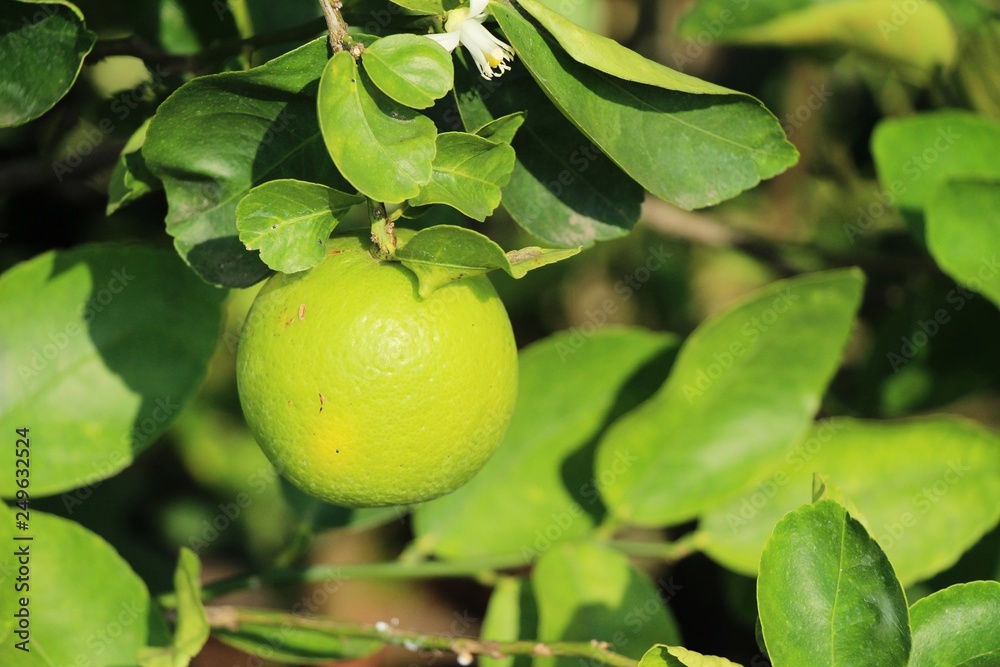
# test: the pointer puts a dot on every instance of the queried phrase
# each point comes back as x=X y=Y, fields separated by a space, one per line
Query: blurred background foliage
x=207 y=486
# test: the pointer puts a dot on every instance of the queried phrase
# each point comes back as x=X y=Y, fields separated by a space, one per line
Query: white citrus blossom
x=464 y=26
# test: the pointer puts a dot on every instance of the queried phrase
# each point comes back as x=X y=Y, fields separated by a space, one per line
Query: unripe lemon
x=364 y=394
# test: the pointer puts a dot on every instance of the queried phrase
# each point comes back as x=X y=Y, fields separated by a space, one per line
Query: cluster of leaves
x=106 y=343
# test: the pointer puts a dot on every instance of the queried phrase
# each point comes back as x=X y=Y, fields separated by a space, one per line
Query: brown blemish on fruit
x=322 y=400
x=291 y=404
x=302 y=311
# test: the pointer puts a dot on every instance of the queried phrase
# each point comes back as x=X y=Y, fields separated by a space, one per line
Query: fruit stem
x=382 y=234
x=232 y=618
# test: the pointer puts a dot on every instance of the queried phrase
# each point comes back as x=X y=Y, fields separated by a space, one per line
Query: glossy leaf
x=42 y=47
x=218 y=136
x=929 y=489
x=382 y=149
x=963 y=233
x=917 y=153
x=192 y=628
x=957 y=627
x=275 y=640
x=536 y=487
x=81 y=572
x=289 y=221
x=609 y=56
x=587 y=592
x=563 y=189
x=104 y=345
x=662 y=655
x=511 y=615
x=468 y=174
x=827 y=596
x=131 y=178
x=691 y=150
x=745 y=387
x=917 y=35
x=411 y=69
x=444 y=253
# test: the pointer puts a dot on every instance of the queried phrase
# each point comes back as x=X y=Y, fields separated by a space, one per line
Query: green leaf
x=441 y=254
x=511 y=615
x=131 y=178
x=290 y=221
x=607 y=55
x=42 y=47
x=563 y=189
x=744 y=389
x=427 y=6
x=382 y=149
x=411 y=69
x=587 y=592
x=929 y=489
x=220 y=135
x=963 y=233
x=468 y=174
x=104 y=346
x=827 y=595
x=915 y=154
x=192 y=624
x=537 y=487
x=662 y=655
x=957 y=627
x=82 y=597
x=691 y=150
x=916 y=34
x=276 y=641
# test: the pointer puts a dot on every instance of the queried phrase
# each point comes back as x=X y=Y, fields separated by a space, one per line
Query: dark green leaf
x=588 y=592
x=963 y=233
x=662 y=655
x=468 y=174
x=745 y=387
x=42 y=46
x=289 y=221
x=563 y=189
x=957 y=627
x=382 y=149
x=411 y=69
x=929 y=489
x=427 y=6
x=192 y=628
x=104 y=345
x=827 y=595
x=131 y=178
x=917 y=34
x=84 y=600
x=444 y=253
x=220 y=135
x=692 y=150
x=537 y=487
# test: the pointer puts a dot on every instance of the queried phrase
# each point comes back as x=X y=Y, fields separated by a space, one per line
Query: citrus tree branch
x=382 y=229
x=232 y=618
x=335 y=23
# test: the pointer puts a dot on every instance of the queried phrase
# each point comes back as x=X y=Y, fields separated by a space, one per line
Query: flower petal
x=477 y=7
x=448 y=40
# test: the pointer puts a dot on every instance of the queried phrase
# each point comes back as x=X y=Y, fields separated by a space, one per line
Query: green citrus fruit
x=364 y=394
